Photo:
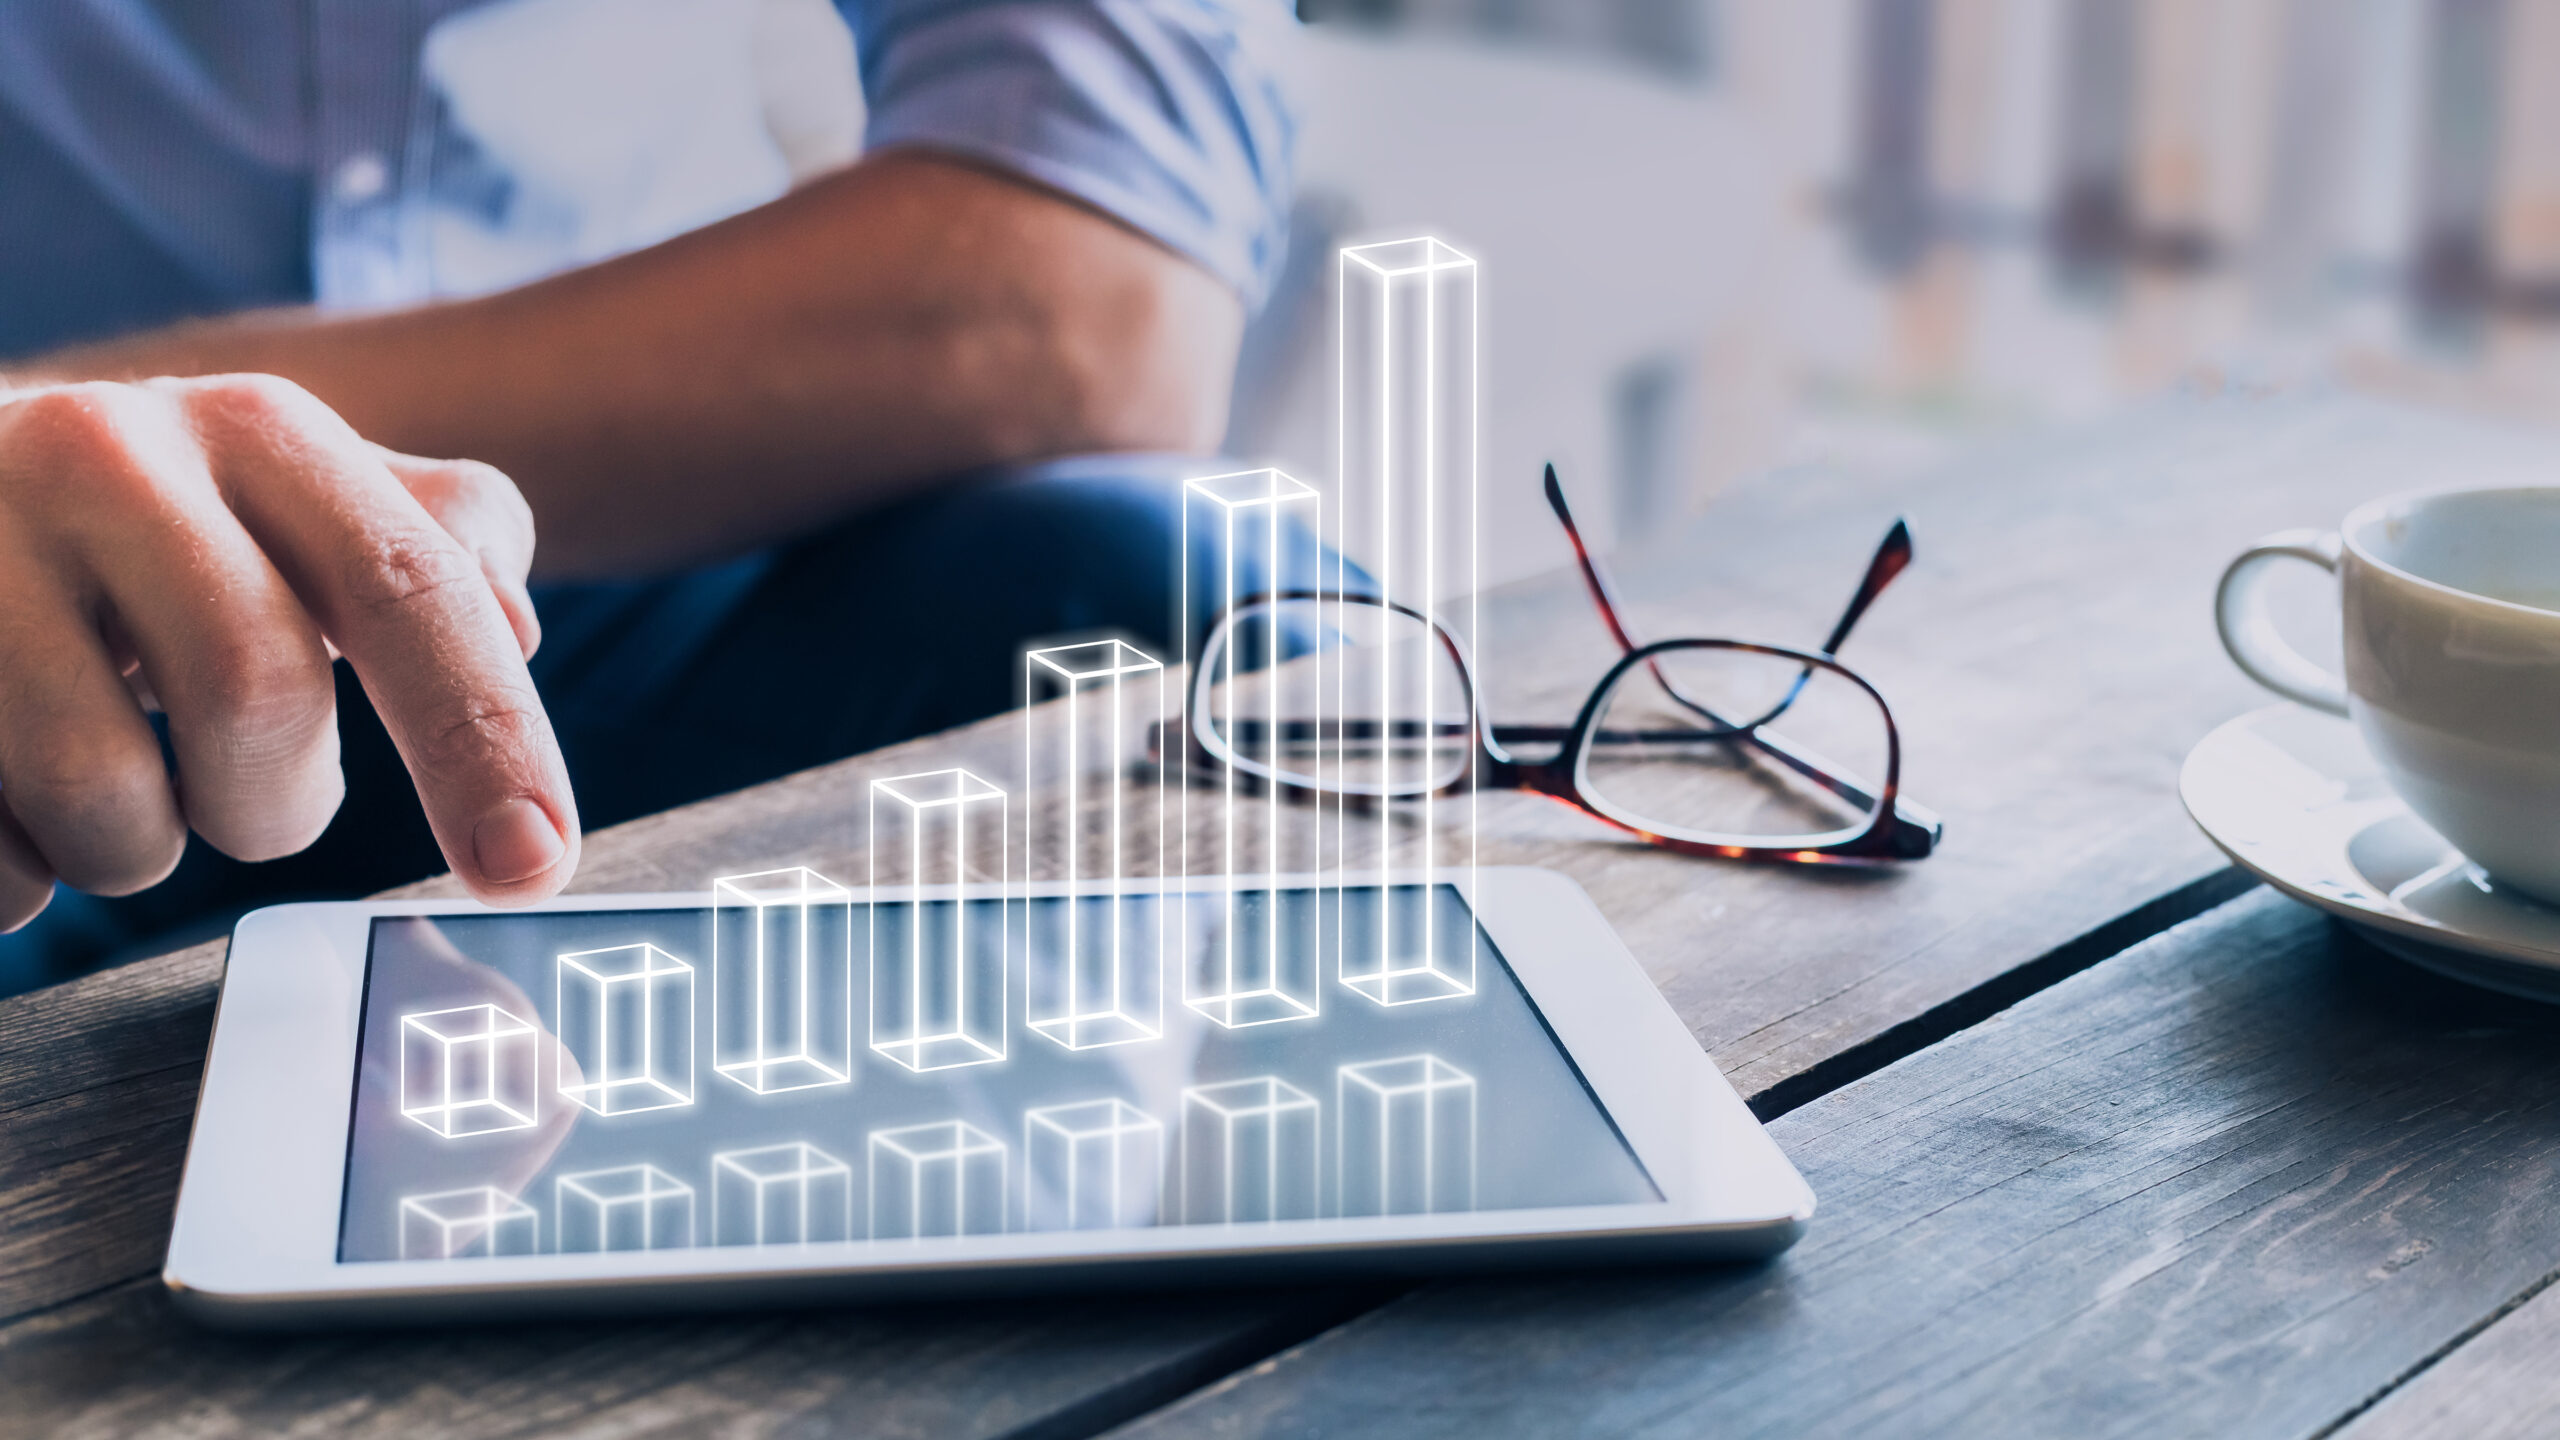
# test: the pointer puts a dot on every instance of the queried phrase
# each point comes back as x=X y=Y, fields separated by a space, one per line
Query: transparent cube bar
x=782 y=980
x=1408 y=476
x=473 y=1223
x=470 y=1070
x=625 y=1014
x=946 y=1178
x=1249 y=1152
x=1256 y=953
x=1406 y=943
x=629 y=1207
x=1405 y=1137
x=938 y=963
x=788 y=1194
x=1093 y=817
x=1098 y=1165
x=1244 y=535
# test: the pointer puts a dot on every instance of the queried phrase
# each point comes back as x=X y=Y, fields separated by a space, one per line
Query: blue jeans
x=896 y=623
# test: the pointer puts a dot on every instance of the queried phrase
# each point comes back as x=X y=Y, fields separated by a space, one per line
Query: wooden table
x=2105 y=1140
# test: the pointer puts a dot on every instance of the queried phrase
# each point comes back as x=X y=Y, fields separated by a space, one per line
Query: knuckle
x=75 y=430
x=502 y=731
x=269 y=708
x=453 y=489
x=260 y=401
x=98 y=448
x=406 y=570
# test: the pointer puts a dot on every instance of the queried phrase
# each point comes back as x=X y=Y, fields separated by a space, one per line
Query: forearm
x=903 y=319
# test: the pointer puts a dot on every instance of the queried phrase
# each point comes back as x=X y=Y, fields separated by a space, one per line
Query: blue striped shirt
x=161 y=159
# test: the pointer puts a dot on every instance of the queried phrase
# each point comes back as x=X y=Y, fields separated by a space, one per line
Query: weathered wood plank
x=120 y=1366
x=2232 y=1183
x=2500 y=1385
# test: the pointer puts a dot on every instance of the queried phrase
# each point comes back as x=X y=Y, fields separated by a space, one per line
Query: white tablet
x=786 y=1092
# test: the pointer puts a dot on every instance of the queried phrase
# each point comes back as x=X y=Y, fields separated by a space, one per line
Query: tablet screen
x=794 y=1067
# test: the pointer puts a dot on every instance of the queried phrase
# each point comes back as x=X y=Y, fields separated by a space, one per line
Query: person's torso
x=168 y=158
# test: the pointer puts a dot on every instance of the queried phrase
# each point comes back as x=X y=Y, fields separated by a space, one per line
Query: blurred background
x=1725 y=237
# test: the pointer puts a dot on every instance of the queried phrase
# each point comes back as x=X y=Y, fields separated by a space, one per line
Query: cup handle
x=2240 y=613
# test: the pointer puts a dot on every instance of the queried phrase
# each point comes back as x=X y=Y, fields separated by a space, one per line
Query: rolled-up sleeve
x=1173 y=116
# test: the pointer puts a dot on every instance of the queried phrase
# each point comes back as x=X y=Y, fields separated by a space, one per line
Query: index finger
x=414 y=614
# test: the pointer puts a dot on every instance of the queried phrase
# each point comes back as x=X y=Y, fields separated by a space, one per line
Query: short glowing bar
x=788 y=1194
x=626 y=1020
x=1408 y=477
x=467 y=1224
x=471 y=1070
x=1093 y=817
x=1249 y=1152
x=1242 y=534
x=1405 y=1137
x=782 y=980
x=630 y=1207
x=938 y=964
x=1098 y=1165
x=946 y=1178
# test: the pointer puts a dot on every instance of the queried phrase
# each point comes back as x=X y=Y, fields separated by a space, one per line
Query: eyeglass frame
x=1897 y=829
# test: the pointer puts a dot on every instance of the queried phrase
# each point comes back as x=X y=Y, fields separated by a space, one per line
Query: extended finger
x=411 y=610
x=480 y=507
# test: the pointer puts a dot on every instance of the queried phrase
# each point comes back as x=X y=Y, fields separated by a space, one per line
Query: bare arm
x=904 y=318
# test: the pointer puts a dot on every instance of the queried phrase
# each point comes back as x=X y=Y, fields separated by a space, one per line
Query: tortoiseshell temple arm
x=1917 y=827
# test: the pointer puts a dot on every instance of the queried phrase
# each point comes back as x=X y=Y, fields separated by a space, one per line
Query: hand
x=205 y=547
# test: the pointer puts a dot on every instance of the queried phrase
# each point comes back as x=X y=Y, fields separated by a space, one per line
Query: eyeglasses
x=1702 y=746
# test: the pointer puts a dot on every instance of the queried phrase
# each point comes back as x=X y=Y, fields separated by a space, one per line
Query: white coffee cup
x=2451 y=603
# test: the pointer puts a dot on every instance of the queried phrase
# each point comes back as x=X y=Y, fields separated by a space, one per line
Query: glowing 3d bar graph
x=1249 y=1152
x=782 y=980
x=1405 y=1137
x=471 y=1070
x=938 y=964
x=788 y=1194
x=474 y=1223
x=1407 y=472
x=1242 y=535
x=630 y=1207
x=1097 y=1165
x=626 y=1017
x=945 y=1178
x=1095 y=964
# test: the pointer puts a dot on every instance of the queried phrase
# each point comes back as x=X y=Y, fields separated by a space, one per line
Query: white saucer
x=2292 y=796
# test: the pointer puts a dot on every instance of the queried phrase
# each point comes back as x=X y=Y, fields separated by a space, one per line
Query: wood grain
x=2233 y=1182
x=2050 y=654
x=119 y=1366
x=2499 y=1385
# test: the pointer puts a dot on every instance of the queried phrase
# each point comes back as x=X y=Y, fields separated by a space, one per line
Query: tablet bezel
x=257 y=1229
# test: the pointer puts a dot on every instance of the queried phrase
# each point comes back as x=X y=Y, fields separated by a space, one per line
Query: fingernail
x=516 y=841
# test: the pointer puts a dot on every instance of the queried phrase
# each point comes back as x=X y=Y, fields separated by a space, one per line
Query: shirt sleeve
x=1172 y=115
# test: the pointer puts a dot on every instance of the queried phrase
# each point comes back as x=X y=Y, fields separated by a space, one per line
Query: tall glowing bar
x=782 y=980
x=1408 y=477
x=938 y=962
x=625 y=1014
x=1093 y=816
x=1243 y=535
